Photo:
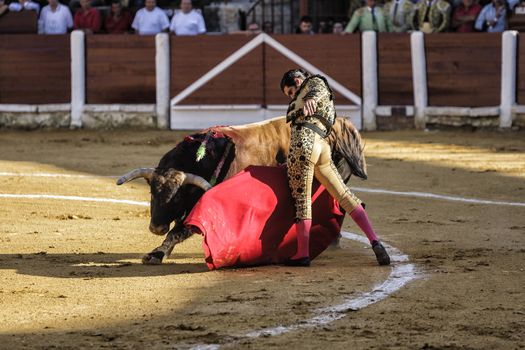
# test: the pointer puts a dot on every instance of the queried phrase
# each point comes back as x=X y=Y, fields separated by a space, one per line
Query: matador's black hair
x=288 y=77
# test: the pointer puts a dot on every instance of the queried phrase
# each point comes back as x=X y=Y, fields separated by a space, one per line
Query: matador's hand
x=309 y=107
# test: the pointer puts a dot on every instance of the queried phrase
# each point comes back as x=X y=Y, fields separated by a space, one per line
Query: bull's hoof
x=153 y=258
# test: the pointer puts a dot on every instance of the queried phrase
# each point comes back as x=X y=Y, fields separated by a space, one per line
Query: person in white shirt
x=187 y=21
x=55 y=18
x=150 y=20
x=24 y=5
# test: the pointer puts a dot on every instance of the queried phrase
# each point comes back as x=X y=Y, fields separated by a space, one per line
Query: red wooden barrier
x=463 y=69
x=35 y=69
x=520 y=84
x=337 y=56
x=394 y=69
x=192 y=57
x=24 y=22
x=255 y=78
x=120 y=69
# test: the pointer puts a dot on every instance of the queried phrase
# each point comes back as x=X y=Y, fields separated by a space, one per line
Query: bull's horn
x=135 y=174
x=197 y=181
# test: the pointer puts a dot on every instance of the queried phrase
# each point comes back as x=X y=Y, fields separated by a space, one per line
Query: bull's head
x=166 y=204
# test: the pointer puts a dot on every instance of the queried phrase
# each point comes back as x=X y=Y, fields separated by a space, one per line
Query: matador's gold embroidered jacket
x=314 y=87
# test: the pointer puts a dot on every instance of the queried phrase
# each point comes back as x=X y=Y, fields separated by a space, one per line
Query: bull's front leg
x=176 y=235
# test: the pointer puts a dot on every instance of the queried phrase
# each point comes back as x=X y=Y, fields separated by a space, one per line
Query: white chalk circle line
x=402 y=272
x=74 y=198
x=425 y=195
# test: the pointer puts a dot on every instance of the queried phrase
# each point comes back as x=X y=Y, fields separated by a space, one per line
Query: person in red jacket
x=465 y=16
x=87 y=18
x=118 y=20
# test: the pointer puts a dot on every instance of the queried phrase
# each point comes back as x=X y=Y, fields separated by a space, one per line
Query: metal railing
x=273 y=12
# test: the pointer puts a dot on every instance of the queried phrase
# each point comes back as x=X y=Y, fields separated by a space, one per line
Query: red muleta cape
x=248 y=219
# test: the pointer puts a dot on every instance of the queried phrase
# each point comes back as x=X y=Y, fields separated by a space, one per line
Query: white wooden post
x=419 y=78
x=162 y=75
x=78 y=77
x=508 y=77
x=370 y=91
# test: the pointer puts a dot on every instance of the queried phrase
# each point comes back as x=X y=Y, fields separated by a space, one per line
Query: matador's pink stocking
x=302 y=228
x=361 y=219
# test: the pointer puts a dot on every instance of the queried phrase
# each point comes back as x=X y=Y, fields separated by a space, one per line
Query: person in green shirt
x=369 y=17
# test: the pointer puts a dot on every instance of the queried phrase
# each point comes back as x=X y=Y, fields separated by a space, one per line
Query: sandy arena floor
x=71 y=276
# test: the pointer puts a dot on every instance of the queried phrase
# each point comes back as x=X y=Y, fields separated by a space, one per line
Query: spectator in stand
x=493 y=17
x=338 y=28
x=353 y=6
x=369 y=17
x=432 y=16
x=187 y=21
x=323 y=28
x=305 y=26
x=512 y=4
x=150 y=20
x=55 y=18
x=118 y=20
x=87 y=18
x=465 y=16
x=399 y=15
x=253 y=28
x=3 y=7
x=268 y=27
x=24 y=5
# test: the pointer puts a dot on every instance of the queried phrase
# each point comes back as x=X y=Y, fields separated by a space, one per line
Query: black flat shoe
x=381 y=254
x=304 y=262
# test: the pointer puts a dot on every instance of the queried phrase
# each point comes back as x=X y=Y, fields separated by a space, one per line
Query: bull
x=214 y=155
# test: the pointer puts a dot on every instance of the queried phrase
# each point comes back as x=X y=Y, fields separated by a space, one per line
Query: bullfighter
x=312 y=114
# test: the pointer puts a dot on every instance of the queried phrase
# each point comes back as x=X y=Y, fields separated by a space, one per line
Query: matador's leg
x=327 y=174
x=300 y=174
x=177 y=235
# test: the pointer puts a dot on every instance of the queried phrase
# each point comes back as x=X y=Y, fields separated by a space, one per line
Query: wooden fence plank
x=520 y=74
x=241 y=83
x=394 y=68
x=338 y=57
x=463 y=69
x=35 y=69
x=120 y=69
x=24 y=22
